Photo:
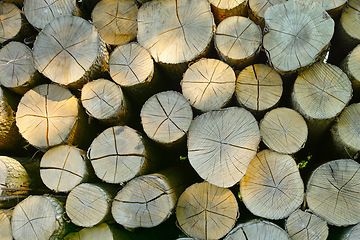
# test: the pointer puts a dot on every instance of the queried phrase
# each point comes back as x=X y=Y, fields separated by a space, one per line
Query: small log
x=38 y=217
x=332 y=7
x=101 y=231
x=88 y=204
x=345 y=131
x=41 y=12
x=69 y=51
x=257 y=9
x=166 y=117
x=14 y=182
x=116 y=20
x=222 y=143
x=284 y=130
x=258 y=88
x=224 y=9
x=49 y=115
x=353 y=233
x=183 y=31
x=208 y=84
x=149 y=200
x=297 y=34
x=205 y=211
x=17 y=68
x=350 y=65
x=64 y=167
x=5 y=227
x=320 y=93
x=272 y=187
x=257 y=229
x=119 y=154
x=238 y=40
x=104 y=100
x=306 y=226
x=333 y=192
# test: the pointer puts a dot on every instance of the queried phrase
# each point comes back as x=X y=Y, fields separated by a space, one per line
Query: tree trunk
x=221 y=145
x=224 y=9
x=237 y=41
x=101 y=231
x=205 y=211
x=333 y=192
x=350 y=65
x=116 y=20
x=306 y=226
x=272 y=187
x=208 y=84
x=257 y=9
x=70 y=52
x=5 y=227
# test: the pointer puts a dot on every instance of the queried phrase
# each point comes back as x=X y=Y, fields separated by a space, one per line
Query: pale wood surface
x=38 y=217
x=225 y=8
x=297 y=34
x=116 y=20
x=353 y=234
x=166 y=117
x=257 y=9
x=284 y=130
x=208 y=84
x=10 y=19
x=333 y=7
x=350 y=19
x=118 y=154
x=333 y=192
x=272 y=186
x=306 y=226
x=100 y=231
x=238 y=40
x=63 y=167
x=182 y=32
x=257 y=230
x=222 y=143
x=258 y=88
x=351 y=67
x=5 y=227
x=206 y=211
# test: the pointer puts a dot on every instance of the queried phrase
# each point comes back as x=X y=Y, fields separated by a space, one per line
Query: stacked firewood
x=179 y=119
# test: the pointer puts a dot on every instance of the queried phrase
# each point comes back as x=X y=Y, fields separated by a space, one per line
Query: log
x=5 y=227
x=14 y=182
x=116 y=20
x=41 y=12
x=333 y=192
x=104 y=100
x=224 y=9
x=49 y=115
x=257 y=9
x=64 y=167
x=320 y=93
x=350 y=65
x=183 y=31
x=149 y=200
x=17 y=68
x=306 y=226
x=70 y=52
x=258 y=88
x=38 y=217
x=205 y=211
x=257 y=229
x=332 y=7
x=119 y=154
x=297 y=34
x=88 y=204
x=284 y=130
x=238 y=40
x=100 y=231
x=272 y=187
x=208 y=84
x=166 y=117
x=353 y=233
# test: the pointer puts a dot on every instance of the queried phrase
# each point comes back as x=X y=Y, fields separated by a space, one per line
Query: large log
x=205 y=211
x=257 y=9
x=224 y=9
x=222 y=143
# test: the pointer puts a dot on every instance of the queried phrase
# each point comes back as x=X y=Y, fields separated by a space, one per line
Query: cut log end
x=257 y=9
x=11 y=21
x=353 y=234
x=349 y=20
x=5 y=224
x=224 y=9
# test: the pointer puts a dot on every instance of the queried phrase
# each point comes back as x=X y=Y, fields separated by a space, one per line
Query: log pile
x=179 y=119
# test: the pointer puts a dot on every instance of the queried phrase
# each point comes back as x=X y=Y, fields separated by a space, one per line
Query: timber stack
x=179 y=119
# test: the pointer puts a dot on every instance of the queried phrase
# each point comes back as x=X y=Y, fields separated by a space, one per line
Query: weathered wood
x=5 y=227
x=257 y=9
x=205 y=211
x=258 y=88
x=272 y=186
x=224 y=9
x=353 y=234
x=38 y=217
x=284 y=130
x=306 y=226
x=49 y=115
x=332 y=7
x=166 y=117
x=297 y=34
x=238 y=40
x=69 y=51
x=11 y=21
x=350 y=65
x=64 y=167
x=257 y=230
x=100 y=231
x=333 y=192
x=222 y=143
